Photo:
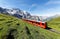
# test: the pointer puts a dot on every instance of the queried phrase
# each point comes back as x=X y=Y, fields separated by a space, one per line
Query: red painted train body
x=37 y=23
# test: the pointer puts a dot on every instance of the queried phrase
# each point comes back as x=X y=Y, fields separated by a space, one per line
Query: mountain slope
x=21 y=14
x=54 y=23
x=15 y=12
x=14 y=28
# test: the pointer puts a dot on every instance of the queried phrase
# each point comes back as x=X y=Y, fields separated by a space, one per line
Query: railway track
x=53 y=30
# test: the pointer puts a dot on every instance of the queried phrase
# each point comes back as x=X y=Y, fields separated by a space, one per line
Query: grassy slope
x=22 y=30
x=55 y=23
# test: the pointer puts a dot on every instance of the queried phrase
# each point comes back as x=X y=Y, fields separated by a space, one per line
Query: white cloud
x=53 y=2
x=47 y=12
x=32 y=6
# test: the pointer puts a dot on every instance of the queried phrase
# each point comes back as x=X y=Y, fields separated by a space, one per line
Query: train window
x=39 y=23
x=42 y=23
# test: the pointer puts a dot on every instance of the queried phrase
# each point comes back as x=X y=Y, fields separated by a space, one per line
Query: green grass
x=23 y=30
x=55 y=23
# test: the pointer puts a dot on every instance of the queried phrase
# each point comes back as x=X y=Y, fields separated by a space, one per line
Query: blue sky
x=35 y=7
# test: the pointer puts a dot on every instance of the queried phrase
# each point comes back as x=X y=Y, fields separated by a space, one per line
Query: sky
x=34 y=7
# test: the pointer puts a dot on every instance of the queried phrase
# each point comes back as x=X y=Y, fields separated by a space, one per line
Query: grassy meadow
x=14 y=28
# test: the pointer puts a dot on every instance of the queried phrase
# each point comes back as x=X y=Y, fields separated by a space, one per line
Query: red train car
x=37 y=23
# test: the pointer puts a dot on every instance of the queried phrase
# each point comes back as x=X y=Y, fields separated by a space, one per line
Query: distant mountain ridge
x=15 y=12
x=52 y=17
x=23 y=14
x=19 y=13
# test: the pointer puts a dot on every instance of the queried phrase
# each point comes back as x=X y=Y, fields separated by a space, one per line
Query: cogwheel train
x=37 y=23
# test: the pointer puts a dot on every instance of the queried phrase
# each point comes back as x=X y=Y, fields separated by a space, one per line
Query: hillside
x=55 y=23
x=14 y=28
